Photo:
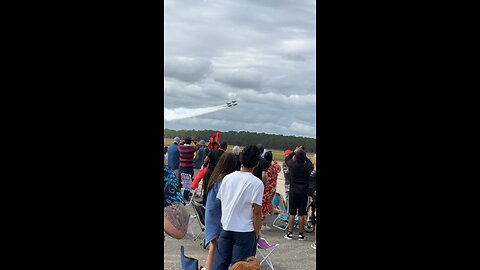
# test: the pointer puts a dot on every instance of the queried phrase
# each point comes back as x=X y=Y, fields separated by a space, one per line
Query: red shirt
x=186 y=155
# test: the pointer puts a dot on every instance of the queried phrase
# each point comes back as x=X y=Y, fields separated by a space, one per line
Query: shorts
x=297 y=202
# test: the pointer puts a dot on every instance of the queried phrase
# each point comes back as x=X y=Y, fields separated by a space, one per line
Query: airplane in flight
x=232 y=103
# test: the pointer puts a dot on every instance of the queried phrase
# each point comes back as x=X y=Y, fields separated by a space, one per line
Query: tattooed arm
x=175 y=216
x=175 y=220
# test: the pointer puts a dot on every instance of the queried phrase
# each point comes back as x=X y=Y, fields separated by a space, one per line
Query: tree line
x=244 y=138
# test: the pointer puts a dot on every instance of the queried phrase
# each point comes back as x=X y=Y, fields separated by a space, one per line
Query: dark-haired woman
x=270 y=187
x=213 y=211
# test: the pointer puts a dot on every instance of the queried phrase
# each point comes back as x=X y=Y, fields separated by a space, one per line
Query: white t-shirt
x=239 y=190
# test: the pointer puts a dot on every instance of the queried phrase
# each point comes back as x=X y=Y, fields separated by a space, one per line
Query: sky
x=260 y=53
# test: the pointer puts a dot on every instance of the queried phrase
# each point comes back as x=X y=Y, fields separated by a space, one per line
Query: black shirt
x=238 y=164
x=262 y=167
x=299 y=174
x=214 y=156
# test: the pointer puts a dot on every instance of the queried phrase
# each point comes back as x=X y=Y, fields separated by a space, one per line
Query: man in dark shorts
x=211 y=160
x=300 y=171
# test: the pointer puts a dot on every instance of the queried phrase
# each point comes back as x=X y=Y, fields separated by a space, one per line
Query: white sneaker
x=265 y=228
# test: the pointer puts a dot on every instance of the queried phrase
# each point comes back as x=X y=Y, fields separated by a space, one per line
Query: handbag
x=188 y=263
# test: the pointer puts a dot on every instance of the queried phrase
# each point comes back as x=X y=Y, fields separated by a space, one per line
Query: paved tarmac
x=290 y=254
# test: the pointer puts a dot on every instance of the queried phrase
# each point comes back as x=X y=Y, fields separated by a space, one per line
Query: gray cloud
x=261 y=53
x=245 y=79
x=186 y=69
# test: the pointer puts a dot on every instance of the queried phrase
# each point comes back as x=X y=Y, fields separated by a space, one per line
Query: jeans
x=232 y=247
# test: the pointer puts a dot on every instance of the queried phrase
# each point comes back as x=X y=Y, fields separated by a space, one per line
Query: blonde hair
x=236 y=150
x=315 y=162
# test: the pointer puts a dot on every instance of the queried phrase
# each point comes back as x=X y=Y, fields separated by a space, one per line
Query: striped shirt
x=186 y=155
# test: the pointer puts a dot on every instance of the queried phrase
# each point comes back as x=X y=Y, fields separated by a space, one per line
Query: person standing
x=211 y=160
x=270 y=187
x=260 y=171
x=313 y=187
x=286 y=174
x=240 y=195
x=236 y=152
x=186 y=162
x=213 y=210
x=300 y=171
x=199 y=158
x=174 y=156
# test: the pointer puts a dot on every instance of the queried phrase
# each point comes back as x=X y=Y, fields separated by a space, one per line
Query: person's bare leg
x=291 y=221
x=301 y=224
x=211 y=253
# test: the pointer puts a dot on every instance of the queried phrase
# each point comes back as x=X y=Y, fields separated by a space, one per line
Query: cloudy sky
x=260 y=53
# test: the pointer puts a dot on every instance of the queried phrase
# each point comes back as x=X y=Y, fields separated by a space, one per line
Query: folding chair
x=186 y=183
x=283 y=213
x=265 y=249
x=200 y=214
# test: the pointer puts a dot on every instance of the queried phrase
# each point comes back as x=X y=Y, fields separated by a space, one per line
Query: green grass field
x=277 y=154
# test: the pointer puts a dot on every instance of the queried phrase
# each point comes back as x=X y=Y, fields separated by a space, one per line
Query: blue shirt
x=213 y=214
x=199 y=158
x=173 y=156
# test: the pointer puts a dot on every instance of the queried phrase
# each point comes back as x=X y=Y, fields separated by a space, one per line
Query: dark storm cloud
x=261 y=53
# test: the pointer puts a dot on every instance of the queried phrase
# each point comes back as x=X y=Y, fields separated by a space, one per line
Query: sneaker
x=265 y=228
x=288 y=236
x=314 y=245
x=301 y=237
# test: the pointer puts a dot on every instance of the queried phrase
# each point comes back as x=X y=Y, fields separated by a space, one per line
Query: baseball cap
x=201 y=142
x=288 y=152
x=176 y=139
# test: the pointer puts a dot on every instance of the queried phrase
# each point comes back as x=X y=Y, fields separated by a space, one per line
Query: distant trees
x=244 y=138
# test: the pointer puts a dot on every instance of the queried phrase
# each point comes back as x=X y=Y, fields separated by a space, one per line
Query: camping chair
x=283 y=213
x=186 y=182
x=200 y=214
x=265 y=249
x=188 y=263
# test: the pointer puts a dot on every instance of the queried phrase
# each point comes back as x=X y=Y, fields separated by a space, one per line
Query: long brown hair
x=225 y=165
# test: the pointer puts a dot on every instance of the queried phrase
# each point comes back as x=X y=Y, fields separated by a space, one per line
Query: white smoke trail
x=183 y=113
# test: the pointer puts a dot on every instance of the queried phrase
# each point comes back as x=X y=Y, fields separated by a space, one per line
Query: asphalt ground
x=290 y=254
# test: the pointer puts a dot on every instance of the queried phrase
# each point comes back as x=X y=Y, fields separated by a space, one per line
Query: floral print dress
x=270 y=188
